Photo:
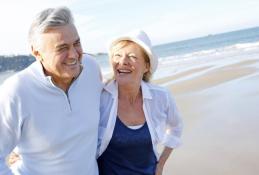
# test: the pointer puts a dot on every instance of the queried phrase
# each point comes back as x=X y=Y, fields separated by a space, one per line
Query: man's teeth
x=71 y=63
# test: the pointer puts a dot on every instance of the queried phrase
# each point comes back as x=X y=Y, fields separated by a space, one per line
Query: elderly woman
x=136 y=116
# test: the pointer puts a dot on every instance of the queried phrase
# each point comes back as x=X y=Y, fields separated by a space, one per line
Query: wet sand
x=220 y=108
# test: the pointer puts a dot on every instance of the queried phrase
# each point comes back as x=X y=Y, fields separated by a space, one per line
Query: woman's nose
x=123 y=60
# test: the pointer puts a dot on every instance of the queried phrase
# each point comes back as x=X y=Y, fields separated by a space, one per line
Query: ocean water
x=178 y=56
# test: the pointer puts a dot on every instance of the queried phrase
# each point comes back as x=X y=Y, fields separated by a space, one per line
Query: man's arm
x=9 y=125
x=5 y=148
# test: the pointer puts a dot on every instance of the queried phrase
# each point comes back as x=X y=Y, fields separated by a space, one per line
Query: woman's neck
x=129 y=93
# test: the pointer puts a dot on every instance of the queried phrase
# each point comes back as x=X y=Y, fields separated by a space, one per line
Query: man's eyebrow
x=63 y=45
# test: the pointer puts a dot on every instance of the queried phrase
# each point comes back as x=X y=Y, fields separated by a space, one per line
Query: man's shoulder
x=17 y=81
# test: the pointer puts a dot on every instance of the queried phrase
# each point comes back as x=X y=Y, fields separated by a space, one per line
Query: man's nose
x=73 y=53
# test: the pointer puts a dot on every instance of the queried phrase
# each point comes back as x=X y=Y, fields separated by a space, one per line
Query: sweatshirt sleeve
x=174 y=124
x=9 y=131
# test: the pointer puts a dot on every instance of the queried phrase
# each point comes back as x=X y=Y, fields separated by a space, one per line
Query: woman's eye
x=117 y=55
x=132 y=57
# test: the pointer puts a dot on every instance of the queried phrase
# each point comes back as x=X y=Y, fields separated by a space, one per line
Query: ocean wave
x=211 y=57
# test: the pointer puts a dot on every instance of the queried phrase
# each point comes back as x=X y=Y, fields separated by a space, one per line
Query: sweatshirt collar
x=38 y=72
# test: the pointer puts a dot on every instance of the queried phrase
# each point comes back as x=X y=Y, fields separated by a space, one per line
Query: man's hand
x=12 y=158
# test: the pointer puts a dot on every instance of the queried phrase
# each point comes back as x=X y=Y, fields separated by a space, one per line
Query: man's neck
x=63 y=84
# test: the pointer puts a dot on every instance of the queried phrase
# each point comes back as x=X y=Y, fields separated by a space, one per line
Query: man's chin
x=75 y=74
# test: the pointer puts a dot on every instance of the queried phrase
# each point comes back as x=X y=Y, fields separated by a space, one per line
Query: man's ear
x=36 y=53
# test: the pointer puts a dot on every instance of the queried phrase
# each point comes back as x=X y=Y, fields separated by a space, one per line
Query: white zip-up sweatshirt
x=55 y=133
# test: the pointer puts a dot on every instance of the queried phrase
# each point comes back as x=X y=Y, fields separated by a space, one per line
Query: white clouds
x=16 y=17
x=98 y=21
x=91 y=35
x=172 y=27
x=13 y=19
x=190 y=23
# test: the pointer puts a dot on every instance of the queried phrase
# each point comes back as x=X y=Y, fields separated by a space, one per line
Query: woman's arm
x=163 y=158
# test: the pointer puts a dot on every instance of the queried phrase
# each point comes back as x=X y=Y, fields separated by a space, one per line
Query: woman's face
x=129 y=64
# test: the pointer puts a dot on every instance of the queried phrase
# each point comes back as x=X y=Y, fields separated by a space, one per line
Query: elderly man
x=50 y=110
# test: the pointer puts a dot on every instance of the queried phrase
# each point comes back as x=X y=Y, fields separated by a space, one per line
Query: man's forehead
x=61 y=29
x=61 y=34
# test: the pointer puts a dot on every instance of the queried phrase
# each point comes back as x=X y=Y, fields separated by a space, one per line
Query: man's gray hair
x=48 y=19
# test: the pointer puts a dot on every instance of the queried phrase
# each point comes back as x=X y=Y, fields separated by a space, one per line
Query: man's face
x=60 y=52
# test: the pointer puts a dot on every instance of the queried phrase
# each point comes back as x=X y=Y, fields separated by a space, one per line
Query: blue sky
x=99 y=21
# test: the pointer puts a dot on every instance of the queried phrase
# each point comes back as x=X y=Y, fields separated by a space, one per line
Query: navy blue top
x=130 y=152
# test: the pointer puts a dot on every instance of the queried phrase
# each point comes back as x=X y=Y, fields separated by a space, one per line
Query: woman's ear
x=147 y=67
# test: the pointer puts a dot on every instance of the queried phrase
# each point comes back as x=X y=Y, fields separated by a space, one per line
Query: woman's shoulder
x=159 y=94
x=157 y=89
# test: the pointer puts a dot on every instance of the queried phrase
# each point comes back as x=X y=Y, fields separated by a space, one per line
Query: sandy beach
x=219 y=105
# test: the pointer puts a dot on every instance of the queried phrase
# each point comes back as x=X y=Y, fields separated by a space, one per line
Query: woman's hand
x=163 y=158
x=159 y=169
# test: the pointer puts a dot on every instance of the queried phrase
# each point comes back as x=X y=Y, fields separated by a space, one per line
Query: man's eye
x=62 y=49
x=78 y=43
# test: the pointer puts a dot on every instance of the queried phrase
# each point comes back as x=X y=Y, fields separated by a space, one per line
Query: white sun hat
x=139 y=37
